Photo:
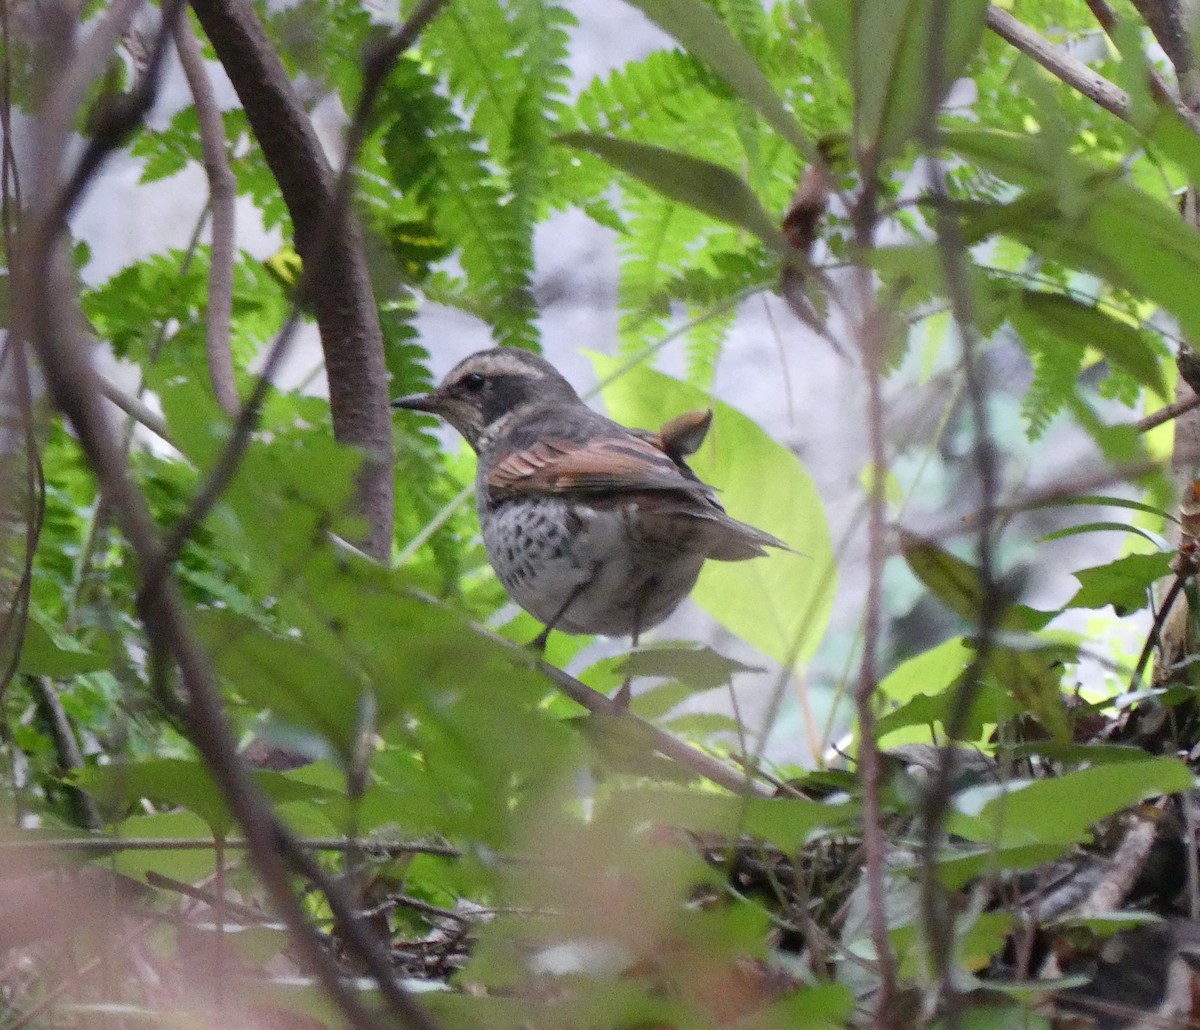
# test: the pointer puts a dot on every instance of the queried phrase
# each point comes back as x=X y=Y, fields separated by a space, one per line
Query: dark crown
x=485 y=387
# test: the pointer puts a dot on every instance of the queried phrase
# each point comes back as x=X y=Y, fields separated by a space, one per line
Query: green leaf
x=300 y=685
x=930 y=672
x=955 y=582
x=955 y=873
x=184 y=784
x=1122 y=583
x=50 y=652
x=785 y=822
x=708 y=187
x=190 y=865
x=1076 y=325
x=1033 y=676
x=779 y=604
x=701 y=668
x=1102 y=501
x=1103 y=527
x=1088 y=219
x=702 y=724
x=658 y=700
x=1063 y=810
x=992 y=705
x=884 y=46
x=825 y=1006
x=697 y=26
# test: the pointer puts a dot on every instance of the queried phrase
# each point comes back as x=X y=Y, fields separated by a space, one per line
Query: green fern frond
x=423 y=483
x=660 y=235
x=431 y=153
x=748 y=20
x=541 y=101
x=704 y=344
x=633 y=98
x=1056 y=367
x=475 y=42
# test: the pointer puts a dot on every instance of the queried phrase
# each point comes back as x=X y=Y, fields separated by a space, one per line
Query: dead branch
x=1059 y=63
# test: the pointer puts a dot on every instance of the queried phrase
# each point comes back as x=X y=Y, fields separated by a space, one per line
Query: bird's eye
x=473 y=382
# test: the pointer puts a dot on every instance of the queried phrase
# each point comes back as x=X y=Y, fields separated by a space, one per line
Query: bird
x=591 y=527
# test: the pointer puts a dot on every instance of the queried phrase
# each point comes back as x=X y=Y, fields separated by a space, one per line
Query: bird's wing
x=604 y=464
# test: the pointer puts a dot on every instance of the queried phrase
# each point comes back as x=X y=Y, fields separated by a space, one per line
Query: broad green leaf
x=300 y=685
x=825 y=1006
x=1033 y=676
x=1103 y=224
x=659 y=700
x=930 y=672
x=187 y=864
x=785 y=822
x=779 y=604
x=955 y=582
x=1122 y=583
x=956 y=872
x=48 y=652
x=1062 y=810
x=992 y=705
x=701 y=668
x=184 y=784
x=705 y=36
x=975 y=942
x=708 y=187
x=885 y=47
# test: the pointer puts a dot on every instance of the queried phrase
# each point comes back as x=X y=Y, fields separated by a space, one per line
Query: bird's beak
x=417 y=402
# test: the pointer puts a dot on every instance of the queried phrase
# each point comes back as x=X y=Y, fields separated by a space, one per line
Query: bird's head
x=483 y=392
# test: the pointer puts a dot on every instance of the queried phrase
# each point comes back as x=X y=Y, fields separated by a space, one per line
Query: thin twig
x=135 y=408
x=870 y=768
x=115 y=845
x=936 y=911
x=1152 y=638
x=214 y=899
x=15 y=622
x=1171 y=27
x=222 y=191
x=50 y=320
x=1059 y=63
x=1167 y=413
x=672 y=747
x=1062 y=490
x=70 y=758
x=1108 y=20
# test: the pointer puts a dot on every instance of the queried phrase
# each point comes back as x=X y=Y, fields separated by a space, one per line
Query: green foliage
x=768 y=602
x=421 y=725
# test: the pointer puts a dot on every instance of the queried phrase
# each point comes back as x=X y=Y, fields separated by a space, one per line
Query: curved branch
x=47 y=315
x=329 y=242
x=222 y=191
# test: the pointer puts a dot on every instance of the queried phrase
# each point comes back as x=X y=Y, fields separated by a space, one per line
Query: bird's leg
x=622 y=697
x=538 y=643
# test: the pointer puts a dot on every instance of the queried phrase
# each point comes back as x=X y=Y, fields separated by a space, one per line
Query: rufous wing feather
x=605 y=464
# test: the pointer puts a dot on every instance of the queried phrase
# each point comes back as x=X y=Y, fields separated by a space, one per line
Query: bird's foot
x=538 y=644
x=622 y=696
